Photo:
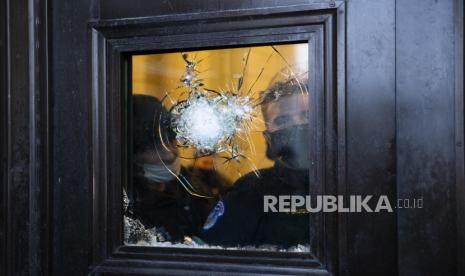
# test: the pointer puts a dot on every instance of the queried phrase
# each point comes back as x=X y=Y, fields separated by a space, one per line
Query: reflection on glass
x=213 y=132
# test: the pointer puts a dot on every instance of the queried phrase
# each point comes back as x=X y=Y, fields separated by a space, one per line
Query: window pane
x=213 y=132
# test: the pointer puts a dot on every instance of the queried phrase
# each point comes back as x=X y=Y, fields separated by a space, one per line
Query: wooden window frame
x=113 y=41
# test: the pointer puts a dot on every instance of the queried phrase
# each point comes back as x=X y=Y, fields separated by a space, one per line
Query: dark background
x=404 y=103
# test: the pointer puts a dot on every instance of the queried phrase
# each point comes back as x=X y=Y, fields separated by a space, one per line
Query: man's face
x=287 y=131
x=287 y=111
x=163 y=156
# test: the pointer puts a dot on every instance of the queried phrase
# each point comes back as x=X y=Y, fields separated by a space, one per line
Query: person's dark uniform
x=242 y=220
x=174 y=209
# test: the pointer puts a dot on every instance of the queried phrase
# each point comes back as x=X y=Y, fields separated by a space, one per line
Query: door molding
x=25 y=184
x=322 y=25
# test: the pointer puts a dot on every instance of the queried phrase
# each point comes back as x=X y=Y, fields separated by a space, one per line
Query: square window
x=217 y=136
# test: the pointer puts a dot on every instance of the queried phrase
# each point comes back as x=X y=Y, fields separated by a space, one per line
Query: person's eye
x=282 y=120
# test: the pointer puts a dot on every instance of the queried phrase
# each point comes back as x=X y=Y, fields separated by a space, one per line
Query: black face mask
x=290 y=146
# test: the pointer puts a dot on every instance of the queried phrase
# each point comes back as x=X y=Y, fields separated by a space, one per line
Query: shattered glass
x=200 y=132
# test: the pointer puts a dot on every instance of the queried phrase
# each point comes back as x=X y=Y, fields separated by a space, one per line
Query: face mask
x=290 y=146
x=162 y=173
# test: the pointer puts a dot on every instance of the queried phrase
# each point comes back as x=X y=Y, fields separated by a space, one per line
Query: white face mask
x=162 y=173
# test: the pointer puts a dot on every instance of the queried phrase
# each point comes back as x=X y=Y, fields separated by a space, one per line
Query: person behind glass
x=239 y=219
x=157 y=197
